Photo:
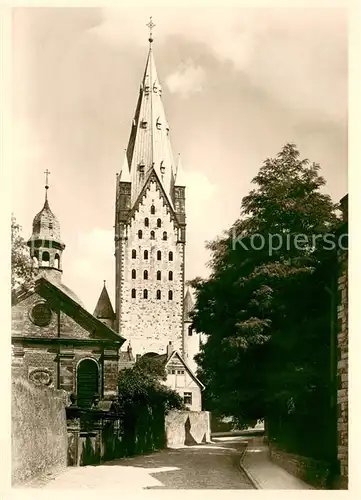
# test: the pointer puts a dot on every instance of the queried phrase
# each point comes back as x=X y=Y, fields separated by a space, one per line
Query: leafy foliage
x=264 y=307
x=143 y=401
x=22 y=273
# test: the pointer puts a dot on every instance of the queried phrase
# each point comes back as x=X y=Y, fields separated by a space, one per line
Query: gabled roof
x=175 y=354
x=104 y=308
x=153 y=176
x=57 y=295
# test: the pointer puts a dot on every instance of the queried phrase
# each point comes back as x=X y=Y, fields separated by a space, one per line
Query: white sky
x=237 y=85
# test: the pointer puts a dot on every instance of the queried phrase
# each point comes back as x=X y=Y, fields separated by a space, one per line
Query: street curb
x=249 y=475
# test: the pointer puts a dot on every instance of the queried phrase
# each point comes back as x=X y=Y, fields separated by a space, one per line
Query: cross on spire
x=150 y=25
x=46 y=183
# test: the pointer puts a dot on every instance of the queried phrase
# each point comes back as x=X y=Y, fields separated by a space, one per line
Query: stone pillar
x=66 y=362
x=110 y=373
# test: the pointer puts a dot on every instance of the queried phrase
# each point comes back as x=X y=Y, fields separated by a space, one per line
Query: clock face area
x=41 y=314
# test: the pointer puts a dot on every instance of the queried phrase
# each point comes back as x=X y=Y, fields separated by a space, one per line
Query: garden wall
x=38 y=432
x=187 y=428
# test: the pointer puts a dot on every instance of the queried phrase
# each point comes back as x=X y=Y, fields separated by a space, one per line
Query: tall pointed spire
x=180 y=176
x=124 y=173
x=149 y=144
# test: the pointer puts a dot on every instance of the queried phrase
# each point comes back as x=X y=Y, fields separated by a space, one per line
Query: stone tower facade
x=150 y=229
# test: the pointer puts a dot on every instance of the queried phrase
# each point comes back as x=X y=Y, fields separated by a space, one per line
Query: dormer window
x=158 y=123
x=144 y=123
x=155 y=89
x=141 y=167
x=162 y=168
x=146 y=89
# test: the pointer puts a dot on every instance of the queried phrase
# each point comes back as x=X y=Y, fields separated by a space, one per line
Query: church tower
x=150 y=228
x=46 y=246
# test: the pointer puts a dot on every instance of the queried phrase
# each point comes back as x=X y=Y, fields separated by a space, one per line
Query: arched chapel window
x=87 y=382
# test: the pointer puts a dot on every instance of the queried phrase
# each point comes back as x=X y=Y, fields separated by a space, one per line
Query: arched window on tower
x=170 y=275
x=152 y=235
x=57 y=261
x=152 y=209
x=159 y=223
x=190 y=330
x=145 y=275
x=45 y=259
x=170 y=256
x=145 y=254
x=134 y=254
x=170 y=295
x=165 y=236
x=140 y=234
x=134 y=274
x=134 y=293
x=159 y=255
x=159 y=275
x=145 y=294
x=159 y=294
x=146 y=222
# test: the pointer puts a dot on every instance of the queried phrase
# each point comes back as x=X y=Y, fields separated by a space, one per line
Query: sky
x=238 y=84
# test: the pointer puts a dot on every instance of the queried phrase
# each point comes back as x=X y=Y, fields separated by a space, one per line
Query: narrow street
x=212 y=466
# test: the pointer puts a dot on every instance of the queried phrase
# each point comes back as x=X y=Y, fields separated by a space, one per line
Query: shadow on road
x=195 y=467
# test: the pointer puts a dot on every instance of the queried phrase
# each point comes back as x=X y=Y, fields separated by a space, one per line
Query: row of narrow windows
x=145 y=275
x=146 y=255
x=158 y=295
x=146 y=221
x=152 y=235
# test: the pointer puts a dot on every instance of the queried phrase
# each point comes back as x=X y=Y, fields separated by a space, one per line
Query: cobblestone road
x=214 y=466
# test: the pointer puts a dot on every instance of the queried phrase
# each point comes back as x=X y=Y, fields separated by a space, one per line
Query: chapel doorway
x=87 y=382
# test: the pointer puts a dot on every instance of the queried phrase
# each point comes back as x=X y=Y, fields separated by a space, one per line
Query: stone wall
x=342 y=366
x=38 y=432
x=187 y=428
x=313 y=472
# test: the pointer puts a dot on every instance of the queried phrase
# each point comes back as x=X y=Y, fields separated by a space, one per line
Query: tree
x=264 y=306
x=142 y=404
x=22 y=272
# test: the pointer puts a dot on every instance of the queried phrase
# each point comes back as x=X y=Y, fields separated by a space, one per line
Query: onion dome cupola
x=46 y=246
